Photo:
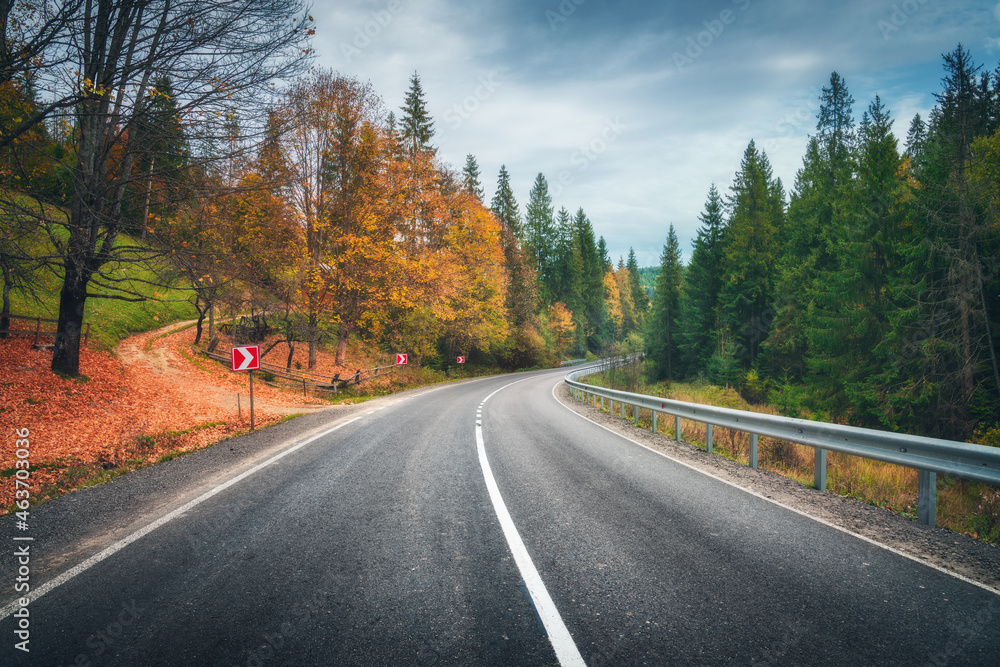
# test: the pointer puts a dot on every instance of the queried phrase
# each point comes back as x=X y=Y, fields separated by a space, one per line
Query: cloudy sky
x=633 y=109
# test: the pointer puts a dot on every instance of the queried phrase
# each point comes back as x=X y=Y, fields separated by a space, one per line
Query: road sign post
x=401 y=359
x=247 y=358
x=461 y=362
x=251 y=400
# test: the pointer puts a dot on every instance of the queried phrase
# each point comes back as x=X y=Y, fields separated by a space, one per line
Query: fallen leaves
x=152 y=400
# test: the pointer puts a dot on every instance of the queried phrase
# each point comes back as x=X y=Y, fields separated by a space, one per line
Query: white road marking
x=985 y=587
x=565 y=648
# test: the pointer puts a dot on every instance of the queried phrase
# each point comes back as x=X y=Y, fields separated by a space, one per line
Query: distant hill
x=647 y=278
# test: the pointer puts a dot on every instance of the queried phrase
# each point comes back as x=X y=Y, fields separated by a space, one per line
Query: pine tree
x=915 y=140
x=751 y=253
x=813 y=228
x=958 y=361
x=850 y=321
x=639 y=298
x=539 y=234
x=836 y=127
x=417 y=126
x=568 y=264
x=522 y=296
x=602 y=251
x=470 y=177
x=700 y=299
x=568 y=284
x=164 y=160
x=505 y=207
x=662 y=339
x=595 y=310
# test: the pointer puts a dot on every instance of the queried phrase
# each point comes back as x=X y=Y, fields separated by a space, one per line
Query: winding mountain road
x=475 y=523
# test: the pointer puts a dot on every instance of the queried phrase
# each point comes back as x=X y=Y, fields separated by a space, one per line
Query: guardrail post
x=635 y=410
x=926 y=496
x=654 y=429
x=677 y=428
x=819 y=474
x=602 y=404
x=753 y=451
x=708 y=438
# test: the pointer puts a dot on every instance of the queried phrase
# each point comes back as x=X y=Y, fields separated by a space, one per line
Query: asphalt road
x=379 y=543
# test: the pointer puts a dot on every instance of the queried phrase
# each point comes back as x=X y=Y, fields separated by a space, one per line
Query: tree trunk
x=291 y=353
x=201 y=319
x=313 y=339
x=72 y=298
x=343 y=333
x=211 y=320
x=5 y=311
x=145 y=211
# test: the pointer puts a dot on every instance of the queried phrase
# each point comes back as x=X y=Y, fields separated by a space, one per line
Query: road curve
x=378 y=543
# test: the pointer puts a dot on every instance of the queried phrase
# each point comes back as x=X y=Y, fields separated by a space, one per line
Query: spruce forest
x=871 y=291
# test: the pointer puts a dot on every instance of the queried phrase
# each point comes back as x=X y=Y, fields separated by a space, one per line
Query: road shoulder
x=958 y=554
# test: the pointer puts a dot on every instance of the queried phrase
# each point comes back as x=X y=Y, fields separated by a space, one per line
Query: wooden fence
x=306 y=379
x=37 y=331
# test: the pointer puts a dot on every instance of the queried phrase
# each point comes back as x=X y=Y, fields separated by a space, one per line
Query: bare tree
x=220 y=55
x=33 y=36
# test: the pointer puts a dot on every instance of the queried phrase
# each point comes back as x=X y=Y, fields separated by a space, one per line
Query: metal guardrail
x=929 y=456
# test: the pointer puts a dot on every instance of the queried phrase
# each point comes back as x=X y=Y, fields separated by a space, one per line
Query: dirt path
x=160 y=353
x=153 y=397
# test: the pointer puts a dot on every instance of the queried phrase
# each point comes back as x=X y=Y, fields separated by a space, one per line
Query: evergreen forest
x=871 y=290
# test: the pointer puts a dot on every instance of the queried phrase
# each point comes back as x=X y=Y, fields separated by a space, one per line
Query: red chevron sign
x=401 y=359
x=246 y=358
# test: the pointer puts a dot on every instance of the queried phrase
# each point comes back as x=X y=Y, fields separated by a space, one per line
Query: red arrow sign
x=401 y=359
x=461 y=360
x=246 y=358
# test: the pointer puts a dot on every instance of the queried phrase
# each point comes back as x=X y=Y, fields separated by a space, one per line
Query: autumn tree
x=326 y=141
x=468 y=301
